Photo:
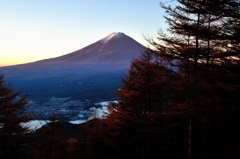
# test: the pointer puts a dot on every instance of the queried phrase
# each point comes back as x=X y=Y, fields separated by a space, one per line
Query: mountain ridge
x=109 y=54
x=116 y=48
x=123 y=47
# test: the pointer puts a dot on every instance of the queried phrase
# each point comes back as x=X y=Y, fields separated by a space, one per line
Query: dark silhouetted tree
x=50 y=143
x=203 y=42
x=91 y=141
x=136 y=120
x=15 y=138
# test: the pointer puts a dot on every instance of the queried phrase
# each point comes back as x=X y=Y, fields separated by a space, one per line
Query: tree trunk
x=189 y=137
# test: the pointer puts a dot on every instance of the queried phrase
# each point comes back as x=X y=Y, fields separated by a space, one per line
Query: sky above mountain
x=32 y=30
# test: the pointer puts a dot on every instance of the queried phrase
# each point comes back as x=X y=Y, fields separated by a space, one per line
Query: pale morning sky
x=32 y=30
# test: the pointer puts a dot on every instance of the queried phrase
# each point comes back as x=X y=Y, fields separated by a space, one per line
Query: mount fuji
x=112 y=53
x=92 y=72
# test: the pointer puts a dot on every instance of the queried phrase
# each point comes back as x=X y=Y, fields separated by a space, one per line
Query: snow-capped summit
x=114 y=35
x=114 y=48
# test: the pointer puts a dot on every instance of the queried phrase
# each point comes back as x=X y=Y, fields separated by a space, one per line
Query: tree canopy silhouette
x=202 y=42
x=15 y=136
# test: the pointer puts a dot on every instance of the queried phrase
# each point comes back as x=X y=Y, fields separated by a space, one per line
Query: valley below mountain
x=70 y=98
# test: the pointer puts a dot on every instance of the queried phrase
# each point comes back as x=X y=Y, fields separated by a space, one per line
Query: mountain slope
x=116 y=47
x=114 y=52
x=93 y=72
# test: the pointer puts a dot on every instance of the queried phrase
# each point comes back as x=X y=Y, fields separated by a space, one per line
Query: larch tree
x=203 y=42
x=15 y=139
x=136 y=119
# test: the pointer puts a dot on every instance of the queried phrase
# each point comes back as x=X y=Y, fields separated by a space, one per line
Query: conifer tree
x=202 y=42
x=201 y=33
x=15 y=139
x=141 y=99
